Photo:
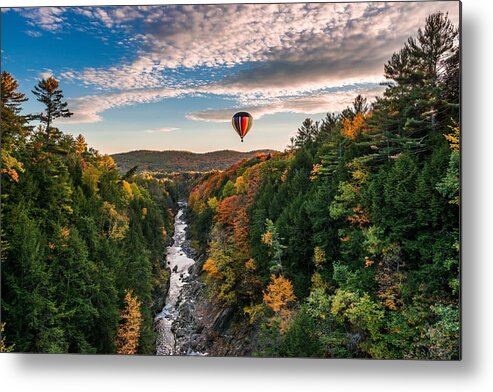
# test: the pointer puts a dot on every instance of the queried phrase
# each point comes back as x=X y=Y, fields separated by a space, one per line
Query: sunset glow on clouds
x=192 y=66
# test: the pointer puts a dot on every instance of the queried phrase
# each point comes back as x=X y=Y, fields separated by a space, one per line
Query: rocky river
x=168 y=341
x=189 y=323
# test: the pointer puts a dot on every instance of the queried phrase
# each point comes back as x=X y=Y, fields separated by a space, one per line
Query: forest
x=83 y=246
x=181 y=161
x=345 y=245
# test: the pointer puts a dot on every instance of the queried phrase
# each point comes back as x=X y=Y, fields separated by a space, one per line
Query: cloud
x=88 y=109
x=158 y=130
x=142 y=73
x=47 y=73
x=268 y=57
x=34 y=34
x=321 y=103
x=287 y=47
x=45 y=18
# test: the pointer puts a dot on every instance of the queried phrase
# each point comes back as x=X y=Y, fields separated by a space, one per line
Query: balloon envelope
x=242 y=123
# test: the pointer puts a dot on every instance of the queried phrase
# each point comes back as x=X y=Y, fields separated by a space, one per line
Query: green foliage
x=73 y=237
x=362 y=211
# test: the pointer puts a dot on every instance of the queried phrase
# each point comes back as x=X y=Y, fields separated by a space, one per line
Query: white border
x=19 y=372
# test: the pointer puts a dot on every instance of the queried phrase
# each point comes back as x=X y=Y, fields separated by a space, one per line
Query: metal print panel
x=266 y=180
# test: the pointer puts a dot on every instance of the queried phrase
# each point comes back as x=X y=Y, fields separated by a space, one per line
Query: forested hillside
x=347 y=244
x=82 y=245
x=181 y=161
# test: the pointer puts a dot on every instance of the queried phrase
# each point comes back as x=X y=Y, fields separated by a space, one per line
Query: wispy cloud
x=320 y=103
x=34 y=34
x=88 y=109
x=288 y=45
x=142 y=73
x=279 y=57
x=45 y=18
x=161 y=130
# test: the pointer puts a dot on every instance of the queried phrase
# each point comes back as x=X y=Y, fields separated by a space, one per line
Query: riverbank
x=189 y=323
x=178 y=263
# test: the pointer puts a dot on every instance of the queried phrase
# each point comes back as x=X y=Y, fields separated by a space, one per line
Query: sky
x=170 y=77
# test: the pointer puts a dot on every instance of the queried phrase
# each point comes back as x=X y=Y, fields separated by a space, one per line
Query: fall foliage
x=350 y=236
x=279 y=293
x=130 y=324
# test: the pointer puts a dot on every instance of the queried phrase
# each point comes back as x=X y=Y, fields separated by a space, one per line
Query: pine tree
x=10 y=97
x=48 y=93
x=307 y=133
x=80 y=145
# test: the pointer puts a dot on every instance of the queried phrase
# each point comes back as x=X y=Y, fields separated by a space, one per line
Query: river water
x=179 y=263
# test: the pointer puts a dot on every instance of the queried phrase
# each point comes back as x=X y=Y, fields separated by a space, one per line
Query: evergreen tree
x=50 y=95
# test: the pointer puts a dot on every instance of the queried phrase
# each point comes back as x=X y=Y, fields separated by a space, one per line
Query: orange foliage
x=359 y=218
x=12 y=173
x=210 y=266
x=351 y=129
x=389 y=277
x=232 y=214
x=129 y=328
x=279 y=293
x=315 y=171
x=240 y=229
x=227 y=211
x=368 y=262
x=267 y=238
x=65 y=232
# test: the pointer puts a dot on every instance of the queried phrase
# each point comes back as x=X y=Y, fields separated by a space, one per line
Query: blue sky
x=171 y=77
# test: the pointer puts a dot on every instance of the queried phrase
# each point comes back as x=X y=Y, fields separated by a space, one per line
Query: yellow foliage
x=359 y=172
x=267 y=238
x=454 y=139
x=240 y=185
x=129 y=328
x=212 y=269
x=107 y=162
x=127 y=190
x=64 y=232
x=279 y=293
x=317 y=281
x=213 y=204
x=3 y=347
x=117 y=224
x=368 y=262
x=144 y=212
x=253 y=312
x=251 y=265
x=80 y=145
x=318 y=256
x=390 y=304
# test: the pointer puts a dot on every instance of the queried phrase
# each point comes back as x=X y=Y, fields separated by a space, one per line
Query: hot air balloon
x=242 y=123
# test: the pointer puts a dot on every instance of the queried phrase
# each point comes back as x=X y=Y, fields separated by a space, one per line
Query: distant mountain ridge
x=182 y=161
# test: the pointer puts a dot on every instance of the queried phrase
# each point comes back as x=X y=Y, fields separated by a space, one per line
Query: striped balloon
x=242 y=123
